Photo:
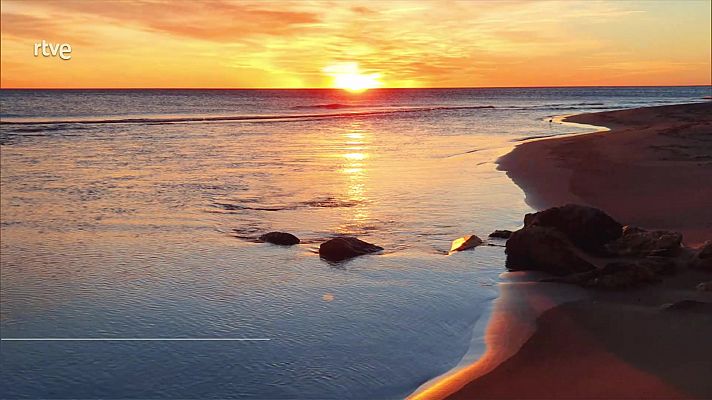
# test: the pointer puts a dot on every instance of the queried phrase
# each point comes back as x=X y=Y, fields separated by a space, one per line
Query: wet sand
x=611 y=345
x=545 y=340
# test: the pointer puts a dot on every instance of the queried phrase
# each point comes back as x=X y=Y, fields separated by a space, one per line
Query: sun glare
x=348 y=76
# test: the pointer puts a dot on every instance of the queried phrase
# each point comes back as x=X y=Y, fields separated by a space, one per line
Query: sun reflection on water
x=352 y=171
x=356 y=156
x=355 y=172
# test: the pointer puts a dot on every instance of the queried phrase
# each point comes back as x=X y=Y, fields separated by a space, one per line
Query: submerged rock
x=280 y=238
x=544 y=249
x=636 y=242
x=465 y=243
x=343 y=248
x=503 y=234
x=587 y=227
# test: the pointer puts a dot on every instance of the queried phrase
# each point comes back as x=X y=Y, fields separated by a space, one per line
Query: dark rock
x=587 y=227
x=342 y=248
x=465 y=243
x=636 y=242
x=617 y=275
x=544 y=249
x=706 y=250
x=504 y=234
x=621 y=275
x=703 y=258
x=659 y=265
x=280 y=238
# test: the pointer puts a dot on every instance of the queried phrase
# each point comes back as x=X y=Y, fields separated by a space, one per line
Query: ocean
x=132 y=214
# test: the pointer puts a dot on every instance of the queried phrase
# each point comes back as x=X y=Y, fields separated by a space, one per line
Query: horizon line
x=340 y=89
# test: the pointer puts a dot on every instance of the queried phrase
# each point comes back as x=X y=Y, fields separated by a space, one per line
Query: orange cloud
x=161 y=43
x=206 y=20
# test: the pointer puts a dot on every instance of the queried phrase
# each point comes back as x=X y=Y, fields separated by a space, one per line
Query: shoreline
x=603 y=345
x=535 y=334
x=509 y=324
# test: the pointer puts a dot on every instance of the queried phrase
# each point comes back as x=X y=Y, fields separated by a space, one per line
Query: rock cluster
x=568 y=241
x=335 y=250
x=345 y=247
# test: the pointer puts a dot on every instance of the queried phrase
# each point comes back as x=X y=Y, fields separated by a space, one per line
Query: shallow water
x=143 y=229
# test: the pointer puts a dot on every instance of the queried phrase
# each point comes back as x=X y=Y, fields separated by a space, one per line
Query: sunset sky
x=222 y=44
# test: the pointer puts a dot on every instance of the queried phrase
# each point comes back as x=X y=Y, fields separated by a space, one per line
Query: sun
x=356 y=82
x=349 y=77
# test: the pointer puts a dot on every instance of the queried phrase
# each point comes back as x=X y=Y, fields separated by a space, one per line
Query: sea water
x=132 y=214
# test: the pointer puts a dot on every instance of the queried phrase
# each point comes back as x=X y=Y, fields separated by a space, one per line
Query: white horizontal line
x=134 y=339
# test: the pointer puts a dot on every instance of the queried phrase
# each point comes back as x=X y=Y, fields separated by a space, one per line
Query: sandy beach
x=652 y=169
x=557 y=341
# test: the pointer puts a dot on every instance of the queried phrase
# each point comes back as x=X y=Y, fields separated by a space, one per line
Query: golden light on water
x=356 y=156
x=348 y=76
x=355 y=173
x=353 y=170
